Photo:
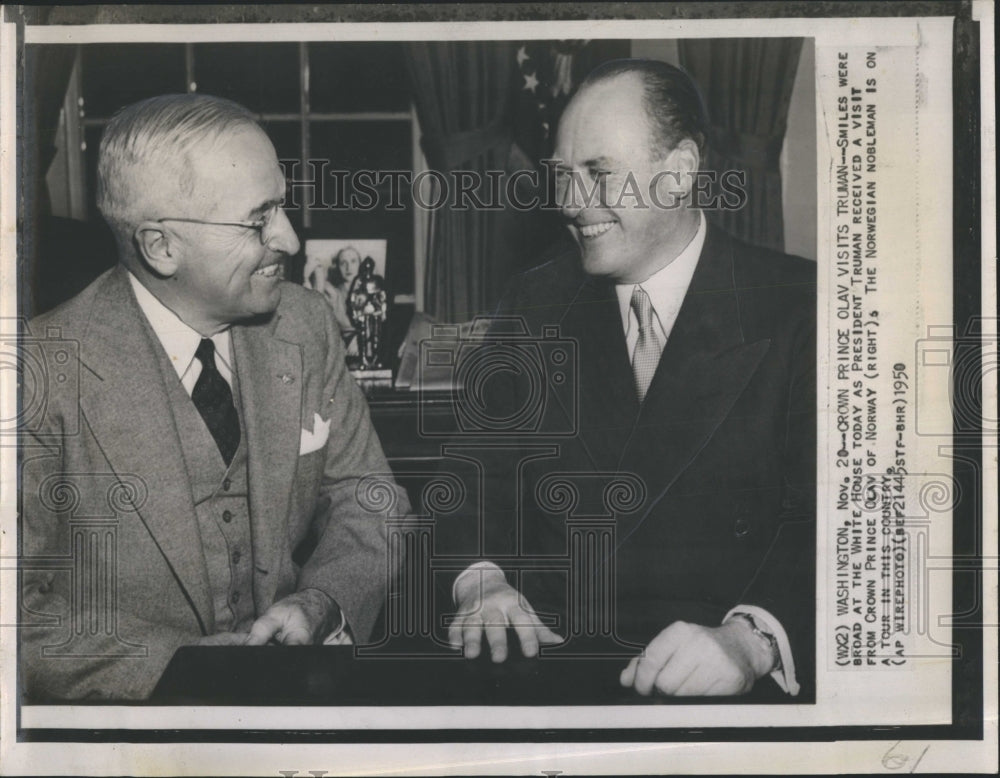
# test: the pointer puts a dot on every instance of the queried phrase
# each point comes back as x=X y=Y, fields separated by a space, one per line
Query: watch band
x=767 y=637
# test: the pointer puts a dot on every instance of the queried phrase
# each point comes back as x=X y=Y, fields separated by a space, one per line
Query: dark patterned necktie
x=646 y=356
x=214 y=401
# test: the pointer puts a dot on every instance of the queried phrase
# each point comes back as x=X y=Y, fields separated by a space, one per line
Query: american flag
x=548 y=74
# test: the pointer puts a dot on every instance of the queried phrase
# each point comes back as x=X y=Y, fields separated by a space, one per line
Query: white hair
x=156 y=136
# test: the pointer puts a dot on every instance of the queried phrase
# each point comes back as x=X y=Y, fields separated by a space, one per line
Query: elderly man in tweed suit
x=214 y=396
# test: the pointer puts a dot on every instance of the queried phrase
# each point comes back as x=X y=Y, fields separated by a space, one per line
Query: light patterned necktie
x=647 y=348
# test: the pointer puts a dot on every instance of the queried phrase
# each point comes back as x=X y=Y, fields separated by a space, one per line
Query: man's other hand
x=689 y=659
x=487 y=603
x=223 y=639
x=300 y=619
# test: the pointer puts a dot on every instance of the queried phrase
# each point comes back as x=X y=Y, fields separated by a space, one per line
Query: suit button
x=227 y=516
x=236 y=557
x=235 y=598
x=227 y=485
x=741 y=528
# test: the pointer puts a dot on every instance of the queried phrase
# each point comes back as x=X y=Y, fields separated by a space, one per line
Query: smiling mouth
x=269 y=271
x=595 y=230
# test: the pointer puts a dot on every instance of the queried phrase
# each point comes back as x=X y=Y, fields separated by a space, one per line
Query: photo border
x=968 y=187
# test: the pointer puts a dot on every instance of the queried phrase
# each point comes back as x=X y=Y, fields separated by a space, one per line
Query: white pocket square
x=315 y=440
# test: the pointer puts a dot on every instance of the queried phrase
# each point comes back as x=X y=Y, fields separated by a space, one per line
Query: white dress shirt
x=666 y=289
x=180 y=341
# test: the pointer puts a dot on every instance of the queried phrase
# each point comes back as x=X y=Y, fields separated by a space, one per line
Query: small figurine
x=368 y=313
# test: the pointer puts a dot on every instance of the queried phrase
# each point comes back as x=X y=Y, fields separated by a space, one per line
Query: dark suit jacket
x=723 y=446
x=108 y=431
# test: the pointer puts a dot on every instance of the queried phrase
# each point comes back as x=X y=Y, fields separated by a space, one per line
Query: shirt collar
x=668 y=285
x=178 y=339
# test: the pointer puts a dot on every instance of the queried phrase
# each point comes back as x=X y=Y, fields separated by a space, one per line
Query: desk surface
x=335 y=675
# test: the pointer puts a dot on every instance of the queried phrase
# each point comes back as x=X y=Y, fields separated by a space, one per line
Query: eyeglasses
x=261 y=225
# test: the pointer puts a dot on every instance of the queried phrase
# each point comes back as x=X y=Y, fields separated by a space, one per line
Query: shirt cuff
x=784 y=676
x=337 y=636
x=341 y=627
x=481 y=567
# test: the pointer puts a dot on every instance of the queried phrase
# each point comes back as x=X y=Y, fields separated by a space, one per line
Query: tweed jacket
x=104 y=452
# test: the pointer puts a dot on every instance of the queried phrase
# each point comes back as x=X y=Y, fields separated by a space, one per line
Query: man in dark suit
x=696 y=378
x=193 y=478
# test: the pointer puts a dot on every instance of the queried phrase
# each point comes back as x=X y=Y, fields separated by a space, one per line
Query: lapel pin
x=286 y=378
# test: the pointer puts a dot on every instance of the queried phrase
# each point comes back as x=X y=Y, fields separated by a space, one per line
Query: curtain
x=492 y=106
x=462 y=95
x=46 y=76
x=57 y=257
x=747 y=84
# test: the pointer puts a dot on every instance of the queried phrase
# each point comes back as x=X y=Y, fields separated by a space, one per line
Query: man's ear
x=685 y=159
x=155 y=248
x=676 y=179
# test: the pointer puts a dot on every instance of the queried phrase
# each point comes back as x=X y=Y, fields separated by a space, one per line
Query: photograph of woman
x=333 y=280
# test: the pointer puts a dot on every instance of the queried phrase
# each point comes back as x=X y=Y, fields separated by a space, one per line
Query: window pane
x=368 y=146
x=117 y=75
x=287 y=141
x=262 y=76
x=357 y=77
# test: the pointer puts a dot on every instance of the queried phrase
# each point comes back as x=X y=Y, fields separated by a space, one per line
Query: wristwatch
x=767 y=637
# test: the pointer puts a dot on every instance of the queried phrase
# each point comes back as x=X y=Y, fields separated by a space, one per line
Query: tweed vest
x=221 y=499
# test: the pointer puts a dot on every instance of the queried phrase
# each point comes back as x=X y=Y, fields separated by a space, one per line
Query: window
x=348 y=103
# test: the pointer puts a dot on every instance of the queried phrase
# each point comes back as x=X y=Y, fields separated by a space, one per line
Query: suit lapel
x=705 y=366
x=608 y=403
x=271 y=387
x=126 y=405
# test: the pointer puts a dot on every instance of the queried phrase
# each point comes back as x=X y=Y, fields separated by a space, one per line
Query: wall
x=798 y=159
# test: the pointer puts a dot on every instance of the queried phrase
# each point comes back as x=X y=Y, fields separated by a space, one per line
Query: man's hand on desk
x=487 y=603
x=300 y=619
x=223 y=639
x=689 y=659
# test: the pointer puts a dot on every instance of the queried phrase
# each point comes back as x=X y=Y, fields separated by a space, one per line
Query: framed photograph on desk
x=343 y=255
x=333 y=267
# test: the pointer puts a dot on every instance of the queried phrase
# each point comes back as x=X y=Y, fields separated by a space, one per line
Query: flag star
x=530 y=82
x=522 y=55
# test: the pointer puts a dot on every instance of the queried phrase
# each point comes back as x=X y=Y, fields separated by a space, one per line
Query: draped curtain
x=462 y=95
x=747 y=84
x=46 y=76
x=57 y=256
